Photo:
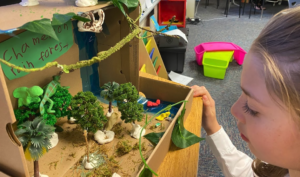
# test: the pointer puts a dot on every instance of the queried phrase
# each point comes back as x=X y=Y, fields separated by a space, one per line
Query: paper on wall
x=178 y=33
x=179 y=78
x=148 y=3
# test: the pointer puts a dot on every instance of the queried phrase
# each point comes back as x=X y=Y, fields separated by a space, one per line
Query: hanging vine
x=61 y=19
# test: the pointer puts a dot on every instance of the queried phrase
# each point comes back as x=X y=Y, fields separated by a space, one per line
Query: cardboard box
x=124 y=62
x=167 y=92
x=125 y=69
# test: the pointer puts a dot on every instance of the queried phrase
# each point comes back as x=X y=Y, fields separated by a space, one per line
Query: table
x=183 y=162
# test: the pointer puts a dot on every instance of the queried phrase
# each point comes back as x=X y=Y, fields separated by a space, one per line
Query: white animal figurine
x=104 y=137
x=136 y=130
x=29 y=3
x=93 y=25
x=85 y=3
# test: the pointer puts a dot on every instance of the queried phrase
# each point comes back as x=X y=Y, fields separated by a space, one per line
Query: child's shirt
x=232 y=162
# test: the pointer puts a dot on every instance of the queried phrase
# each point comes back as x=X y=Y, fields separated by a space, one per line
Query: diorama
x=72 y=101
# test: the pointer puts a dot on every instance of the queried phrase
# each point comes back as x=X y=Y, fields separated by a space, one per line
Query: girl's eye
x=248 y=110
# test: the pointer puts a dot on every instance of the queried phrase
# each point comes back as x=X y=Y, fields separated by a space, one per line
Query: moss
x=54 y=164
x=152 y=127
x=162 y=126
x=123 y=147
x=106 y=170
x=118 y=130
x=73 y=154
x=136 y=146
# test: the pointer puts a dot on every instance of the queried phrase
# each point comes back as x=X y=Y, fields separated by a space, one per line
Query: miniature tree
x=131 y=111
x=107 y=93
x=35 y=138
x=89 y=114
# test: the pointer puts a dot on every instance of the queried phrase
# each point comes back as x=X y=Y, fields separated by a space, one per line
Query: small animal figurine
x=93 y=25
x=28 y=95
x=86 y=3
x=152 y=104
x=29 y=3
x=50 y=90
x=162 y=116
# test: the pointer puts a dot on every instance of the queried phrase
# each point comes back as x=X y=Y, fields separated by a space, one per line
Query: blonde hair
x=278 y=47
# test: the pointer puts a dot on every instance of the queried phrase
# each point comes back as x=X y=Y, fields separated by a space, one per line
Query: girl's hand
x=209 y=119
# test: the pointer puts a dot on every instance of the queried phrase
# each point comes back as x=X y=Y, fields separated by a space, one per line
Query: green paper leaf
x=154 y=137
x=181 y=137
x=42 y=26
x=60 y=19
x=119 y=5
x=130 y=4
x=79 y=18
x=146 y=173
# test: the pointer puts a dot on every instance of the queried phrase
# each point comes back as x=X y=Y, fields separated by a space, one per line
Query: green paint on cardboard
x=42 y=16
x=20 y=15
x=33 y=50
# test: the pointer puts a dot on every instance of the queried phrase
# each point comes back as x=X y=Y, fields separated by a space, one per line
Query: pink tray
x=238 y=54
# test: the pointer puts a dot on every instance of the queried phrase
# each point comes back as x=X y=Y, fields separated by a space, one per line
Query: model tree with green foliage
x=35 y=138
x=131 y=111
x=89 y=114
x=108 y=93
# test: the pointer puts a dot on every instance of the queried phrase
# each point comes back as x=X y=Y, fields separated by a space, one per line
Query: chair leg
x=218 y=3
x=227 y=7
x=240 y=8
x=244 y=7
x=262 y=10
x=250 y=8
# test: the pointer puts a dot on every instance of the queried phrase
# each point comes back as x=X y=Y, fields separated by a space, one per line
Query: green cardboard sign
x=33 y=50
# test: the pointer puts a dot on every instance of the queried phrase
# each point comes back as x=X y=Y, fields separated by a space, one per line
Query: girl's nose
x=237 y=111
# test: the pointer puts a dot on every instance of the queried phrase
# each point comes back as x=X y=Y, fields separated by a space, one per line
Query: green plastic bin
x=216 y=63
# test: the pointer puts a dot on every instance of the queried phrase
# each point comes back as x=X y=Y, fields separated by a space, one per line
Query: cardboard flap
x=12 y=161
x=3 y=175
x=17 y=15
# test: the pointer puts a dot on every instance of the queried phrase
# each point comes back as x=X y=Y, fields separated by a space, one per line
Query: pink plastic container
x=238 y=54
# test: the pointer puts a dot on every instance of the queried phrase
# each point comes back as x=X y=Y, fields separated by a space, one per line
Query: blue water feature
x=163 y=104
x=87 y=44
x=143 y=101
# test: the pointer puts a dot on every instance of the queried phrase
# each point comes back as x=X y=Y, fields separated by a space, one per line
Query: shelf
x=13 y=16
x=148 y=10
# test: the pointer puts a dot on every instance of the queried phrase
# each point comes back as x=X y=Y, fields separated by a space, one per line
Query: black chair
x=252 y=7
x=228 y=2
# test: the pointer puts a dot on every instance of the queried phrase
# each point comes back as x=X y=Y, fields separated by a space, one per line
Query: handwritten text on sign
x=32 y=50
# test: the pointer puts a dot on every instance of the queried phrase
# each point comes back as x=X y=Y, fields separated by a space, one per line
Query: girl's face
x=272 y=135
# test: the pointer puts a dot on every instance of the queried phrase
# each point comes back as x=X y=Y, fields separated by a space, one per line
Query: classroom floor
x=241 y=31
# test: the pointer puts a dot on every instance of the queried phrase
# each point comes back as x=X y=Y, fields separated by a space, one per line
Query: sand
x=63 y=159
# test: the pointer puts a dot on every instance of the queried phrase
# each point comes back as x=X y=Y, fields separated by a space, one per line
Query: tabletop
x=183 y=162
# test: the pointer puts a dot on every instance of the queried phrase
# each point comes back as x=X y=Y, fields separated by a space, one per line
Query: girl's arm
x=232 y=162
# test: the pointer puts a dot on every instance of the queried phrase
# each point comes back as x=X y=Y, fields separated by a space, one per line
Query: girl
x=268 y=110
